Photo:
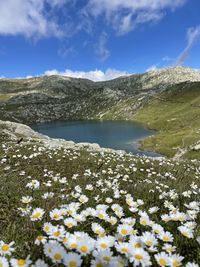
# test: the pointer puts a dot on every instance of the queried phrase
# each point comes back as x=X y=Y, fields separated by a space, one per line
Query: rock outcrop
x=15 y=131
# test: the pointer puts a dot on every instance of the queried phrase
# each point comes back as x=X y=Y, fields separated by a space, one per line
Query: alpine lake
x=119 y=135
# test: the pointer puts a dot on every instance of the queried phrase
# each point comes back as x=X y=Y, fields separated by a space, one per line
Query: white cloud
x=95 y=75
x=193 y=35
x=166 y=59
x=32 y=18
x=101 y=50
x=125 y=15
x=152 y=68
x=28 y=18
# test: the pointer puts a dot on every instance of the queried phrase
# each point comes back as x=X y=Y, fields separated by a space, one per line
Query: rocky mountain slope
x=167 y=100
x=56 y=97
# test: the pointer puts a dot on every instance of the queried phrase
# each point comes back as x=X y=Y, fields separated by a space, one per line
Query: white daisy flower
x=191 y=264
x=175 y=260
x=105 y=242
x=37 y=214
x=20 y=262
x=72 y=259
x=162 y=259
x=4 y=262
x=26 y=200
x=56 y=214
x=85 y=245
x=6 y=249
x=40 y=263
x=186 y=231
x=166 y=236
x=124 y=229
x=140 y=257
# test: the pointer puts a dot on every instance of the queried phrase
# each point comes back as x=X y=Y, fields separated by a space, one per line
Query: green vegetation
x=175 y=113
x=112 y=177
x=5 y=97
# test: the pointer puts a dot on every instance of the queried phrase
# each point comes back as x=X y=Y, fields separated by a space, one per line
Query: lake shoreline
x=135 y=132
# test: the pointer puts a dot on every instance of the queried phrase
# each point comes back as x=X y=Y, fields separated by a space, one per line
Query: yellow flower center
x=65 y=240
x=57 y=257
x=72 y=264
x=73 y=246
x=5 y=247
x=106 y=258
x=40 y=237
x=99 y=264
x=36 y=215
x=138 y=257
x=104 y=245
x=21 y=262
x=185 y=233
x=124 y=232
x=101 y=216
x=69 y=225
x=46 y=228
x=1 y=265
x=56 y=234
x=165 y=238
x=149 y=243
x=125 y=250
x=138 y=245
x=143 y=222
x=84 y=249
x=169 y=249
x=162 y=262
x=55 y=216
x=176 y=263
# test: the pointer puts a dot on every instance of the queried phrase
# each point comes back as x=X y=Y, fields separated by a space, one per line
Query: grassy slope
x=176 y=115
x=66 y=163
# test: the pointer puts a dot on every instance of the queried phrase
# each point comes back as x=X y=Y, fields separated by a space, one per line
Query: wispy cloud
x=94 y=75
x=66 y=51
x=167 y=59
x=33 y=18
x=152 y=68
x=193 y=35
x=101 y=49
x=125 y=15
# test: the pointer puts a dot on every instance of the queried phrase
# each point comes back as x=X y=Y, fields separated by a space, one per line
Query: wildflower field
x=67 y=207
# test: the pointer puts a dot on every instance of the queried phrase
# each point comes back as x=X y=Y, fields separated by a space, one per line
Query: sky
x=97 y=39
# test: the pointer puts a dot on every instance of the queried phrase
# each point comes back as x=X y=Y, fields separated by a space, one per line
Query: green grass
x=5 y=97
x=66 y=163
x=175 y=114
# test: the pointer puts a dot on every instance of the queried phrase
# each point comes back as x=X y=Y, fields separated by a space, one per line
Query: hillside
x=62 y=201
x=166 y=100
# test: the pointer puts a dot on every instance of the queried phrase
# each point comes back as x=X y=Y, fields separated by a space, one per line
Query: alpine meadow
x=99 y=133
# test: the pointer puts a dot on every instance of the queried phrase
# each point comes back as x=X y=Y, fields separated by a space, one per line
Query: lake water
x=110 y=134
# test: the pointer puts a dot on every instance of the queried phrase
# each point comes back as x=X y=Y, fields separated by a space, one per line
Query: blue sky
x=97 y=39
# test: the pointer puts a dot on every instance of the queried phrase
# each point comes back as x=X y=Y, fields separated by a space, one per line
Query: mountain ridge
x=147 y=98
